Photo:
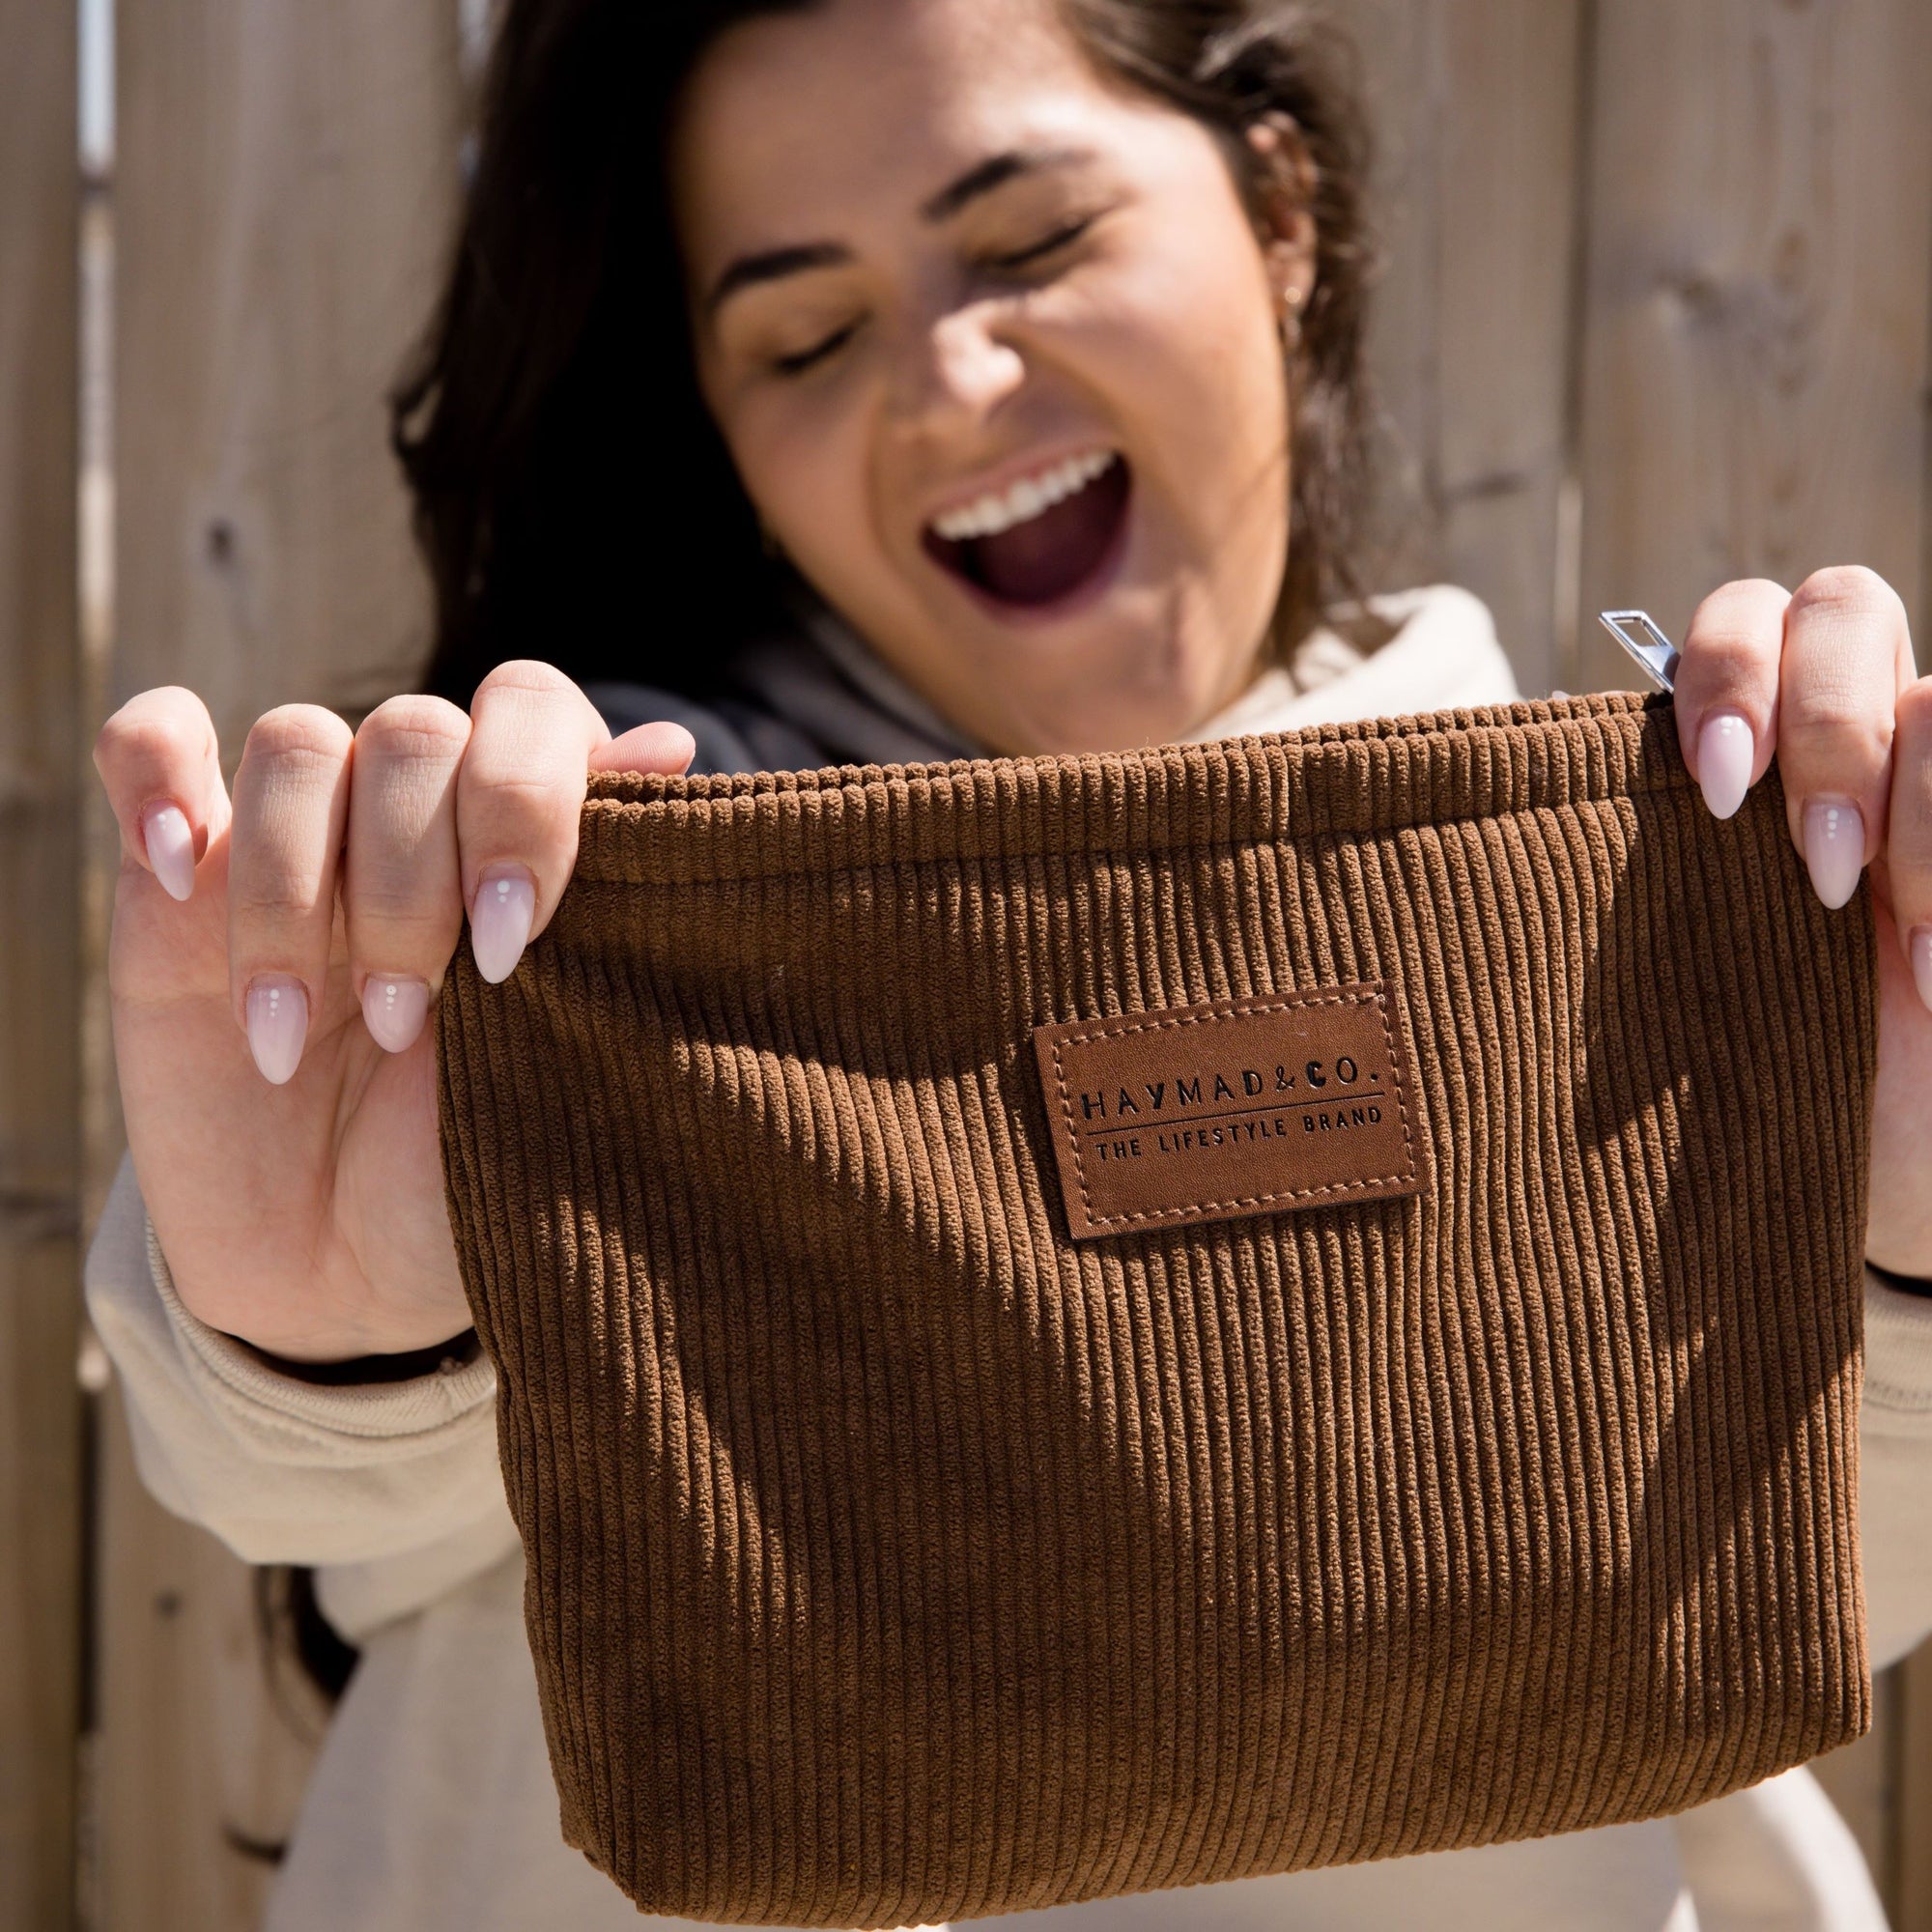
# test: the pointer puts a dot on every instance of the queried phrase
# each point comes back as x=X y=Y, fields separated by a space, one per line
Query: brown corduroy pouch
x=1078 y=1325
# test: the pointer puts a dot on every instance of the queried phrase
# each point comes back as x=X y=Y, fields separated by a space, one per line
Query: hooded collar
x=821 y=694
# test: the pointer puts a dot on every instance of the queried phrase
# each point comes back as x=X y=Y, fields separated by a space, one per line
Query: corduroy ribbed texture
x=893 y=1558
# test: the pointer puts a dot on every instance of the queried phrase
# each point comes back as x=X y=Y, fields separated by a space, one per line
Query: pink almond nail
x=1724 y=752
x=500 y=925
x=394 y=1006
x=170 y=841
x=1835 y=848
x=277 y=1025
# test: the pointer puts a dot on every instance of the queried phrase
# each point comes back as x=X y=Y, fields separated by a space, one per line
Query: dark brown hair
x=572 y=497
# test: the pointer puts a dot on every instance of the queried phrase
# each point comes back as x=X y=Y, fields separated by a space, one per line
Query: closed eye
x=1061 y=237
x=797 y=365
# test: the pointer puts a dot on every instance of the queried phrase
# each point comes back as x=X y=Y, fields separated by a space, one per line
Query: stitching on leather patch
x=1230 y=1108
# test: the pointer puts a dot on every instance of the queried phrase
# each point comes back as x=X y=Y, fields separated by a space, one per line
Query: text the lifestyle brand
x=1244 y=1107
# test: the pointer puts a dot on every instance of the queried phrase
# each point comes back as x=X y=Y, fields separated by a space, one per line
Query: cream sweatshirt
x=432 y=1804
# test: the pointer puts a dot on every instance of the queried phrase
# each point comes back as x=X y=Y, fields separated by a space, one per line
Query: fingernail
x=1724 y=752
x=506 y=903
x=1921 y=962
x=394 y=1006
x=1835 y=848
x=170 y=844
x=277 y=1024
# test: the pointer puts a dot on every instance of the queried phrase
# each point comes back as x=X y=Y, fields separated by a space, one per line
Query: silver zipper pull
x=1650 y=648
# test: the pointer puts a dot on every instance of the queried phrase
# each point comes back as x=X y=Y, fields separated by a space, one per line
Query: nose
x=953 y=371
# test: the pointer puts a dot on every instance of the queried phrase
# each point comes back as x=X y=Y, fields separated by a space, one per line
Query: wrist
x=318 y=1349
x=1907 y=1284
x=439 y=1358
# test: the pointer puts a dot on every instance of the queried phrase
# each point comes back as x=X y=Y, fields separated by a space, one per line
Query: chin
x=1149 y=676
x=1111 y=708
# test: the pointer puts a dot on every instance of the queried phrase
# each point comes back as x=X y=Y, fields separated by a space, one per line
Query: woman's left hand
x=1825 y=678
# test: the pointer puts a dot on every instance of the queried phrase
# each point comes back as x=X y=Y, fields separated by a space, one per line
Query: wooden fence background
x=1660 y=314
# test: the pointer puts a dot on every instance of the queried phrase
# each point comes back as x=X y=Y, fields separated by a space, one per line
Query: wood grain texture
x=1476 y=113
x=1759 y=301
x=41 y=1601
x=285 y=186
x=285 y=179
x=205 y=1752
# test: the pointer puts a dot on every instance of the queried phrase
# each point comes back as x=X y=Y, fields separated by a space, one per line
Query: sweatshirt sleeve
x=1896 y=1470
x=282 y=1470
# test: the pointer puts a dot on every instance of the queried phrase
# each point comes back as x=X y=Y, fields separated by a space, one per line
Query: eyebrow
x=994 y=173
x=774 y=264
x=771 y=265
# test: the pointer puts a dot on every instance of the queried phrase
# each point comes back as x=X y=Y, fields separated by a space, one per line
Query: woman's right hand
x=271 y=967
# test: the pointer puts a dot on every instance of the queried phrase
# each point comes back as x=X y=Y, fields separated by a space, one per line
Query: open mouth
x=1041 y=540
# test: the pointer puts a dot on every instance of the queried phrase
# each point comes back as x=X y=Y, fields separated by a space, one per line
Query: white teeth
x=987 y=515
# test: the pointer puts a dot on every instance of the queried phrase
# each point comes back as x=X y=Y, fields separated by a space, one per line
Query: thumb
x=660 y=745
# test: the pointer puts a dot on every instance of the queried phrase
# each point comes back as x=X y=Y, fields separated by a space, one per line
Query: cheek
x=1188 y=351
x=1194 y=366
x=801 y=456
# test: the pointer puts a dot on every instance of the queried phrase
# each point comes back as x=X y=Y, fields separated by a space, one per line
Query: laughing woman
x=867 y=380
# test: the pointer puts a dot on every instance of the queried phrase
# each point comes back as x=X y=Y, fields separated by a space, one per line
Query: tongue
x=1049 y=554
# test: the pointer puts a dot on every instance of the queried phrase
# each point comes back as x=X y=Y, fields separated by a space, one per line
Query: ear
x=1285 y=181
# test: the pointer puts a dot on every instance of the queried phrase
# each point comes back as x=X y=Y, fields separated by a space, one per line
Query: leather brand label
x=1237 y=1107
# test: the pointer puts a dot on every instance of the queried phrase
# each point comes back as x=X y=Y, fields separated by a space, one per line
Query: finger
x=661 y=746
x=1908 y=844
x=402 y=893
x=159 y=761
x=291 y=807
x=1726 y=690
x=1845 y=635
x=519 y=794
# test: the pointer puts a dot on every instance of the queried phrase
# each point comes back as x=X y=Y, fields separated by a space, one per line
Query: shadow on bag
x=1080 y=1324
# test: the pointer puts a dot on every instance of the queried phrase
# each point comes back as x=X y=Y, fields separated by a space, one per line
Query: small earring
x=1291 y=318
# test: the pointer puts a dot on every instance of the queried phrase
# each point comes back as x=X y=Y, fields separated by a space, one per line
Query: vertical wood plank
x=1759 y=301
x=41 y=1603
x=1399 y=50
x=1476 y=111
x=1507 y=259
x=285 y=185
x=205 y=1756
